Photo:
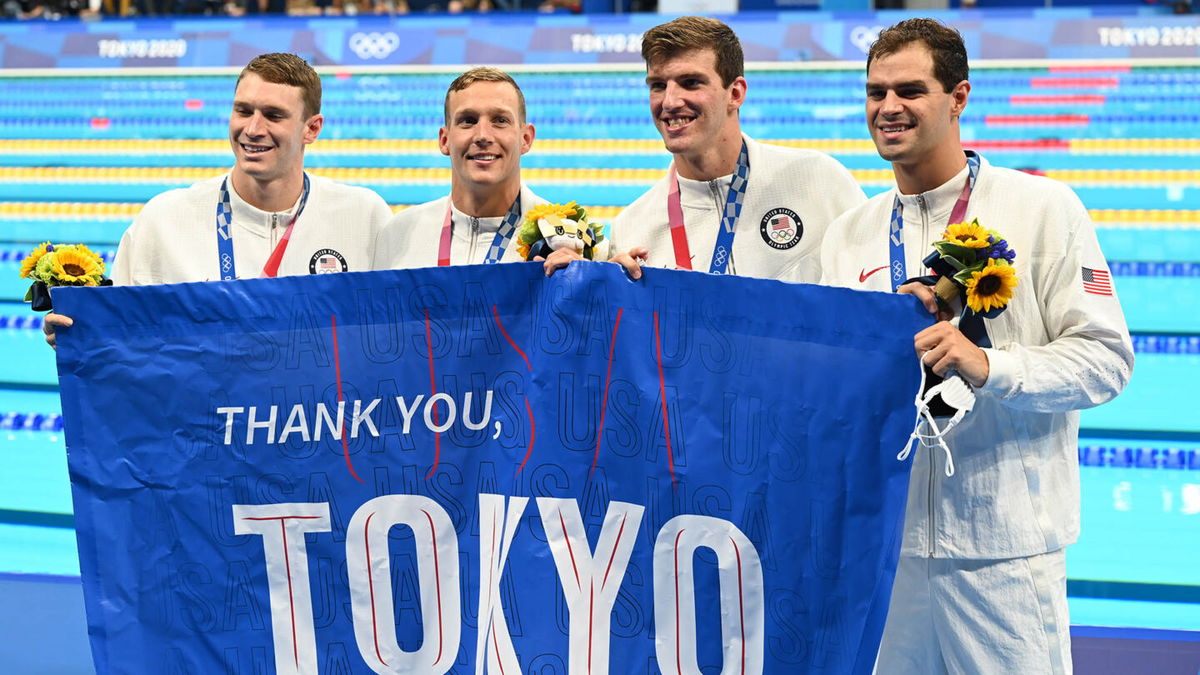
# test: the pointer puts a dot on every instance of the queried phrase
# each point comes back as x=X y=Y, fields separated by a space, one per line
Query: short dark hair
x=696 y=33
x=484 y=74
x=944 y=43
x=289 y=69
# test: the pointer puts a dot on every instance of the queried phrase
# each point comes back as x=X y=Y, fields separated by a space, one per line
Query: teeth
x=894 y=129
x=676 y=122
x=254 y=149
x=485 y=158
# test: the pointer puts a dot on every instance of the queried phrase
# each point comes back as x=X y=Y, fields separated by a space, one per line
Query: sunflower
x=991 y=287
x=542 y=210
x=30 y=262
x=76 y=268
x=92 y=254
x=971 y=235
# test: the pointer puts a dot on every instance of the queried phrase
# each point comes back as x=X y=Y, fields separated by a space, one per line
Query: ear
x=960 y=94
x=312 y=128
x=443 y=141
x=527 y=134
x=737 y=94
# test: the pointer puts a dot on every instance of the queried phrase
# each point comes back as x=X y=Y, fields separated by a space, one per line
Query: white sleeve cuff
x=1002 y=372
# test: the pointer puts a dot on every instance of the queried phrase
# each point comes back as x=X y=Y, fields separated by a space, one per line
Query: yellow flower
x=74 y=267
x=94 y=256
x=991 y=287
x=542 y=210
x=30 y=262
x=971 y=235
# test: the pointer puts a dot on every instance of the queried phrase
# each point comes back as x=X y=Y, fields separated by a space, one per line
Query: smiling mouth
x=483 y=157
x=895 y=128
x=678 y=122
x=254 y=149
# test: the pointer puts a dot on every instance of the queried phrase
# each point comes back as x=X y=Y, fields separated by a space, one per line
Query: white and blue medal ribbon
x=508 y=227
x=499 y=245
x=225 y=233
x=897 y=266
x=733 y=210
x=723 y=248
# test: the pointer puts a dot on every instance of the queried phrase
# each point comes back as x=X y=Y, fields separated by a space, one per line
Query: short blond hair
x=484 y=74
x=289 y=69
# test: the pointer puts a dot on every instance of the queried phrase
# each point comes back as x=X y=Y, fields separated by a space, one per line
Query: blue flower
x=1000 y=250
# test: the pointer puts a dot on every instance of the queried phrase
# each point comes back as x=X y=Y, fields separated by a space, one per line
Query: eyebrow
x=489 y=111
x=897 y=85
x=696 y=75
x=265 y=108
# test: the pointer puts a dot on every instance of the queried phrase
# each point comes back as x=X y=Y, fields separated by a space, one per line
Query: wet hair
x=696 y=33
x=484 y=74
x=944 y=43
x=289 y=69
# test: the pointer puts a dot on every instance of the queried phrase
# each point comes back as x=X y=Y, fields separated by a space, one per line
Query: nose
x=255 y=124
x=891 y=104
x=483 y=134
x=672 y=96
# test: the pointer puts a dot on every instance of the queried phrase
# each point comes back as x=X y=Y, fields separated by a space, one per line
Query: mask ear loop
x=922 y=403
x=916 y=432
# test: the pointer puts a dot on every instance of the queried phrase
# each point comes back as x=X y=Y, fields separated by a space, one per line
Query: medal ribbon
x=499 y=244
x=723 y=249
x=896 y=231
x=225 y=235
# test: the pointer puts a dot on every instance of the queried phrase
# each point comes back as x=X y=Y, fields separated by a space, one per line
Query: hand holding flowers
x=60 y=265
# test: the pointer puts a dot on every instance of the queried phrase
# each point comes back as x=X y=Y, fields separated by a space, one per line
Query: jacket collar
x=699 y=194
x=940 y=200
x=254 y=220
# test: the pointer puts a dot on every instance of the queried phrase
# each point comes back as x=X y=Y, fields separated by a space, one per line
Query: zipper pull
x=921 y=201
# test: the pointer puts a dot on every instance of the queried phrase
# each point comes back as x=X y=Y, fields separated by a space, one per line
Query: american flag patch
x=1098 y=282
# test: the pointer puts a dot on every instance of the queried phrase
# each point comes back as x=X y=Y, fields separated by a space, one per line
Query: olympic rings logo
x=374 y=45
x=863 y=36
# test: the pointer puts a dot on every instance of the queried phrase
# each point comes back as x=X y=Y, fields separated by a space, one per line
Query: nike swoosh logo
x=862 y=276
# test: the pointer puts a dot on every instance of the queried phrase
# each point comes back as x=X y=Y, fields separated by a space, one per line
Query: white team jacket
x=173 y=239
x=1056 y=350
x=412 y=237
x=792 y=197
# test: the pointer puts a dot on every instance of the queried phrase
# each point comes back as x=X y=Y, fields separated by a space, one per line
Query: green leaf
x=956 y=254
x=964 y=275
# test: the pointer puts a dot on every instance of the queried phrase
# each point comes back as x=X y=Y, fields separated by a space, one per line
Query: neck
x=713 y=162
x=483 y=201
x=931 y=172
x=279 y=194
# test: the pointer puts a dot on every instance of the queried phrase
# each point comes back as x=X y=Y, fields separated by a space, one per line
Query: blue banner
x=479 y=469
x=501 y=39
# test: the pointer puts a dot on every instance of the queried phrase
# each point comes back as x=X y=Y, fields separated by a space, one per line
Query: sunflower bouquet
x=976 y=263
x=549 y=227
x=60 y=265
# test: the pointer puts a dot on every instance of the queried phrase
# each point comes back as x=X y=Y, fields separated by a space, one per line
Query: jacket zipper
x=474 y=238
x=924 y=207
x=715 y=188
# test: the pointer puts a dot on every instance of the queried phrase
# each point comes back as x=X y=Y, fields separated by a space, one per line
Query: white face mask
x=957 y=394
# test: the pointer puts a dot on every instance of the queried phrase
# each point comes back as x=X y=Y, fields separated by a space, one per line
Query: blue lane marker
x=31 y=421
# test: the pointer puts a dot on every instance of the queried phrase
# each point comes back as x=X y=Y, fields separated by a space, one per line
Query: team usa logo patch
x=327 y=261
x=781 y=228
